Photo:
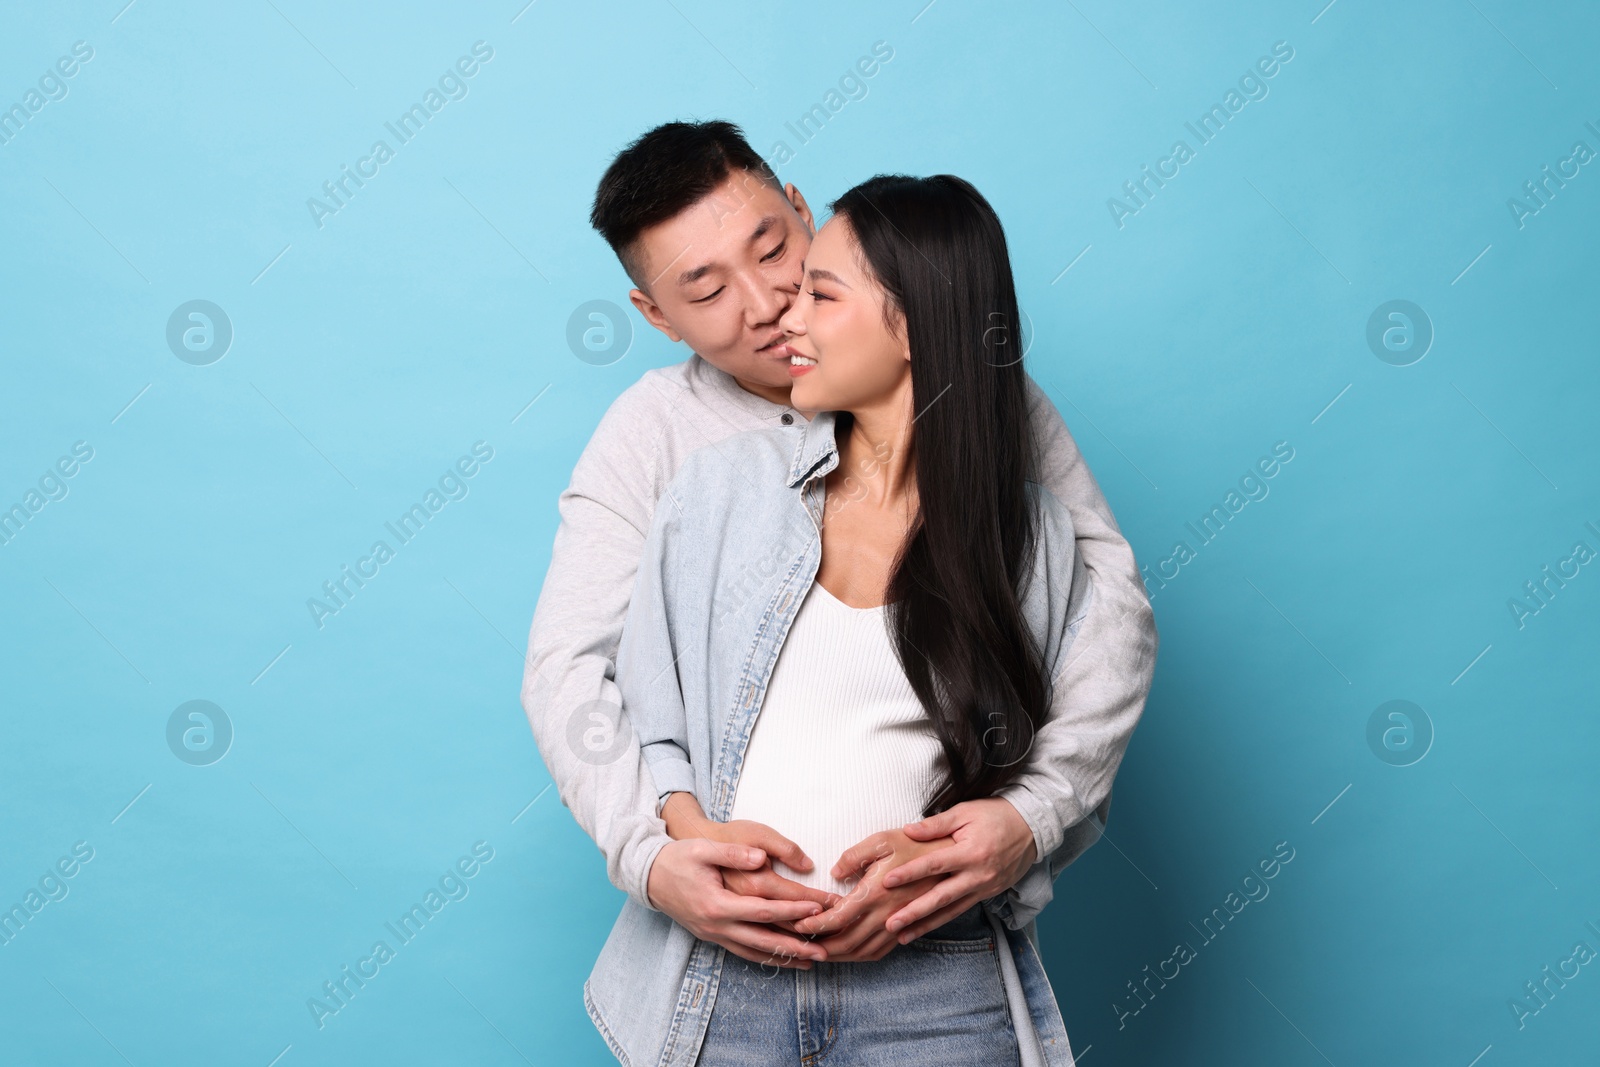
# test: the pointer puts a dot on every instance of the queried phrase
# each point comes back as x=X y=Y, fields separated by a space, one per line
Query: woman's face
x=845 y=356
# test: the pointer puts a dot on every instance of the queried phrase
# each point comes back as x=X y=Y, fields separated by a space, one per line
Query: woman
x=886 y=587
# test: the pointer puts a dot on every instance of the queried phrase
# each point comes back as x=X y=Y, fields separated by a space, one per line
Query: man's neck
x=777 y=394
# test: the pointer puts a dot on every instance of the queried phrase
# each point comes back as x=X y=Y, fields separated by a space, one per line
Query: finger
x=875 y=947
x=764 y=946
x=937 y=919
x=941 y=861
x=778 y=847
x=736 y=907
x=848 y=942
x=861 y=855
x=774 y=886
x=941 y=825
x=940 y=894
x=722 y=854
x=836 y=918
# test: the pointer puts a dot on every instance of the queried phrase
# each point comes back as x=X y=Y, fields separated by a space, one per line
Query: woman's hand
x=858 y=923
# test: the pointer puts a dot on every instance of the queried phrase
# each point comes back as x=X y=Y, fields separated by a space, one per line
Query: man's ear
x=800 y=206
x=652 y=313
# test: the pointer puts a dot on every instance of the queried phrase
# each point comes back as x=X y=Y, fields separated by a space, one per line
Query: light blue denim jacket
x=734 y=546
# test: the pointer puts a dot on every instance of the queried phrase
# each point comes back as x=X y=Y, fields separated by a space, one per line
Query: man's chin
x=758 y=368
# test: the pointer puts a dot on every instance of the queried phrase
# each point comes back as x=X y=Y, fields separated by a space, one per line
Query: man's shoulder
x=657 y=393
x=1055 y=518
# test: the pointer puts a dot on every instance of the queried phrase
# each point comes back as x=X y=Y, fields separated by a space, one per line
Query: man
x=714 y=245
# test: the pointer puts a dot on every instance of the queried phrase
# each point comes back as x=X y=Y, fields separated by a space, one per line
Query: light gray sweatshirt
x=568 y=687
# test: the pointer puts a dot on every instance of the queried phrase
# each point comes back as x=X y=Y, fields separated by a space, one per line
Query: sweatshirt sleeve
x=1099 y=687
x=569 y=691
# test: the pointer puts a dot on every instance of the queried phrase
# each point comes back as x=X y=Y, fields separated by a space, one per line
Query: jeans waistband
x=970 y=925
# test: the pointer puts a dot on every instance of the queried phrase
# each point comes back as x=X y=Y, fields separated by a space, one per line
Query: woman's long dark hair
x=938 y=250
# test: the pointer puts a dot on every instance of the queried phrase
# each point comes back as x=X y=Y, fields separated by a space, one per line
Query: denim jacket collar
x=815 y=446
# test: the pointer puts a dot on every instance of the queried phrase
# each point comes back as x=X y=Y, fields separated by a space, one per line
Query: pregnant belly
x=827 y=802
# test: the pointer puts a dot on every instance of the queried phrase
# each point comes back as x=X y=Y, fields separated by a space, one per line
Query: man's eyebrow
x=767 y=223
x=694 y=274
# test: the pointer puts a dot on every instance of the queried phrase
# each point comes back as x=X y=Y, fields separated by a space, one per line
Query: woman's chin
x=808 y=395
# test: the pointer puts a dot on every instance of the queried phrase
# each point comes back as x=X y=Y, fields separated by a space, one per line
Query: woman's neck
x=877 y=449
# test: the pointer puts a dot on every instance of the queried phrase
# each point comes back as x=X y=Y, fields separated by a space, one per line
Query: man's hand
x=857 y=923
x=723 y=902
x=993 y=849
x=686 y=820
x=686 y=882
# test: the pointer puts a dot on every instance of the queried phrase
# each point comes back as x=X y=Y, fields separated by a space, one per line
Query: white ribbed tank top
x=841 y=748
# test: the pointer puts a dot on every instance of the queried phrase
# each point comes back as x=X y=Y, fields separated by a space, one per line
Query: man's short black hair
x=664 y=172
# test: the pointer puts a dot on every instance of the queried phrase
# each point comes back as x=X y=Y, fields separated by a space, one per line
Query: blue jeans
x=938 y=1000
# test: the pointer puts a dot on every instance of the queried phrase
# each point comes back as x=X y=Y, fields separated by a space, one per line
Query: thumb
x=934 y=827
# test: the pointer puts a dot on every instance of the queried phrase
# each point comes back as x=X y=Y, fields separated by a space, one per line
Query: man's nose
x=767 y=304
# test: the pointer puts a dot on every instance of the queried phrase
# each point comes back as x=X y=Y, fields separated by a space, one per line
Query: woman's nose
x=791 y=322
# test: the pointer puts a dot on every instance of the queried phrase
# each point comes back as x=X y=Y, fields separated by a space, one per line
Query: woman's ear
x=902 y=336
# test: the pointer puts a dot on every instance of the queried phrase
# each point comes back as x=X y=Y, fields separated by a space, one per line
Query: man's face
x=720 y=274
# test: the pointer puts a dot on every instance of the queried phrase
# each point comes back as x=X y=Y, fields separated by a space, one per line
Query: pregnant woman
x=841 y=627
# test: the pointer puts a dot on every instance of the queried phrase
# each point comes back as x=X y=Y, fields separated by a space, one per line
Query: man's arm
x=1100 y=693
x=1063 y=794
x=568 y=688
x=574 y=705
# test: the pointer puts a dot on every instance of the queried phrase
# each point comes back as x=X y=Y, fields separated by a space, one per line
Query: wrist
x=684 y=819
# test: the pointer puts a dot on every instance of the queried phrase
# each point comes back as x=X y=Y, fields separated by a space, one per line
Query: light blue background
x=1228 y=314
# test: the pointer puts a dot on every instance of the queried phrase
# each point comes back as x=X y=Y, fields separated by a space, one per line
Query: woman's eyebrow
x=827 y=275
